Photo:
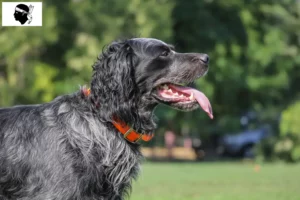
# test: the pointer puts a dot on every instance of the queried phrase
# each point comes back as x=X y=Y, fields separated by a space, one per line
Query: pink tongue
x=199 y=96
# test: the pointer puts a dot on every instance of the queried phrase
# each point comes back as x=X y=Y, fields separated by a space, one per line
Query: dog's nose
x=204 y=58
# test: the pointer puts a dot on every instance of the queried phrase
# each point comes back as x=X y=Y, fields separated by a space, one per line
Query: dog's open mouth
x=182 y=97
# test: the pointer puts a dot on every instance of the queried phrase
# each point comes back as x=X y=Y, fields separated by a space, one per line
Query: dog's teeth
x=176 y=94
x=192 y=96
x=181 y=95
x=169 y=90
x=165 y=87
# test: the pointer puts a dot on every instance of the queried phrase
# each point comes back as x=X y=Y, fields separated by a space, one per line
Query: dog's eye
x=165 y=53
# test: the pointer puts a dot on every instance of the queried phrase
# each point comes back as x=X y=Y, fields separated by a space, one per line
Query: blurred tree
x=20 y=51
x=39 y=63
x=253 y=45
x=289 y=143
x=254 y=49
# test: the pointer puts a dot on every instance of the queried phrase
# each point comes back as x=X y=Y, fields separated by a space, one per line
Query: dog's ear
x=113 y=82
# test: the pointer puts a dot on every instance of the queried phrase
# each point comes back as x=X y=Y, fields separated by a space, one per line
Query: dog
x=84 y=146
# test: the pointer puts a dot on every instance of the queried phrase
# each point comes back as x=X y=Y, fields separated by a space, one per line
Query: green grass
x=217 y=181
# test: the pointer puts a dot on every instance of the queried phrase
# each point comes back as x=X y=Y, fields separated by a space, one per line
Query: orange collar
x=129 y=133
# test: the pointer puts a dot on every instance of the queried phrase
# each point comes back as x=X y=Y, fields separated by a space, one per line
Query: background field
x=217 y=181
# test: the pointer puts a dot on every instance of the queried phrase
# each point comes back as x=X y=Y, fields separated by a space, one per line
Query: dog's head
x=139 y=73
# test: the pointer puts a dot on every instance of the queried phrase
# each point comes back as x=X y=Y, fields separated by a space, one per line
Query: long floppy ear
x=113 y=86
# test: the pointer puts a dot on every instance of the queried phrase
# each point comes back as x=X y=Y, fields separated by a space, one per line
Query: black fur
x=68 y=149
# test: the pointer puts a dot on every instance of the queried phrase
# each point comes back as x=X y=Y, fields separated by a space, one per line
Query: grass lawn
x=217 y=181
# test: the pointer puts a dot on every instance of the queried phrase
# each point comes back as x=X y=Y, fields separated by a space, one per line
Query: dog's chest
x=108 y=169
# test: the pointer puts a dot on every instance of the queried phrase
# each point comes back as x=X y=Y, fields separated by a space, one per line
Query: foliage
x=289 y=122
x=287 y=145
x=253 y=51
x=39 y=63
x=265 y=151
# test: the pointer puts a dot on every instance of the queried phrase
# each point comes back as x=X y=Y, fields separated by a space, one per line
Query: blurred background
x=253 y=85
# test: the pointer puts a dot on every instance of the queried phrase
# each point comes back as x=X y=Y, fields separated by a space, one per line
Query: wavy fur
x=68 y=149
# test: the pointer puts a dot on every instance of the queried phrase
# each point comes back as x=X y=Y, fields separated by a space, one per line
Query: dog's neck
x=130 y=134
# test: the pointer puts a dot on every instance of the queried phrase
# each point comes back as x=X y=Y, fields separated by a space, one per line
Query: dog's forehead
x=148 y=41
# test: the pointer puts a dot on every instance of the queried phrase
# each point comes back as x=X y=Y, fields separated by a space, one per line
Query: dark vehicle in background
x=242 y=144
